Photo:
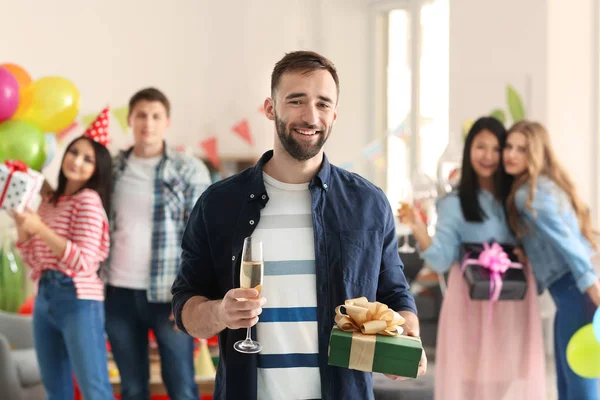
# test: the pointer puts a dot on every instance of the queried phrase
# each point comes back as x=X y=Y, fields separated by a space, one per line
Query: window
x=410 y=48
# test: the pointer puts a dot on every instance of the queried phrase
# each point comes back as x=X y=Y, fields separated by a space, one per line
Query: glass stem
x=248 y=335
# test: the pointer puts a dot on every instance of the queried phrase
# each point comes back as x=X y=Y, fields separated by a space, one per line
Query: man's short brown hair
x=302 y=61
x=150 y=94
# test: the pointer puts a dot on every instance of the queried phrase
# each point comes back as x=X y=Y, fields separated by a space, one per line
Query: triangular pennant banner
x=347 y=165
x=243 y=130
x=121 y=115
x=374 y=150
x=261 y=109
x=210 y=148
x=61 y=135
x=86 y=120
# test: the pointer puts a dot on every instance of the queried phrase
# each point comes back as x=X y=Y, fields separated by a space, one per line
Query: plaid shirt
x=178 y=183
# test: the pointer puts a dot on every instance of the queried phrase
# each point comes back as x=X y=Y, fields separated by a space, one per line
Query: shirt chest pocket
x=173 y=192
x=357 y=257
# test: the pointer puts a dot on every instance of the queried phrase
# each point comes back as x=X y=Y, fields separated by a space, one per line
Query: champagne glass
x=405 y=204
x=251 y=277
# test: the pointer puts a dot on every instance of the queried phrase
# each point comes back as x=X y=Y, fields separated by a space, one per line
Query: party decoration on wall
x=210 y=148
x=374 y=153
x=20 y=140
x=121 y=114
x=50 y=103
x=9 y=94
x=242 y=128
x=348 y=165
x=515 y=104
x=583 y=353
x=399 y=131
x=87 y=119
x=62 y=134
x=98 y=130
x=261 y=109
x=499 y=114
x=23 y=78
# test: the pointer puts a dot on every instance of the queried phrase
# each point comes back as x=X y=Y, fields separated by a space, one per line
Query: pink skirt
x=477 y=358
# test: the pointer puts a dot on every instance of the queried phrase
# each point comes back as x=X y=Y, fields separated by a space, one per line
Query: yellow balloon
x=51 y=103
x=583 y=353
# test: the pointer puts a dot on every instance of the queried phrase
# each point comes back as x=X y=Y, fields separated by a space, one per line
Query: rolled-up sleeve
x=196 y=276
x=393 y=288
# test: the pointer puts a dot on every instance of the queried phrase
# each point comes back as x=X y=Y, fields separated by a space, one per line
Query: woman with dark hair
x=64 y=244
x=478 y=357
x=556 y=229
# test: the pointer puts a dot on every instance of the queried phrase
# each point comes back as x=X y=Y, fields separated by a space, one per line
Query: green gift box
x=395 y=355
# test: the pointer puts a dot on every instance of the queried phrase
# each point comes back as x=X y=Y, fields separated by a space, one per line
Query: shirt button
x=264 y=196
x=251 y=222
x=233 y=258
x=325 y=185
x=251 y=196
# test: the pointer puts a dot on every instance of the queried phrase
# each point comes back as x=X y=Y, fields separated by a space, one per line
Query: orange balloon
x=19 y=73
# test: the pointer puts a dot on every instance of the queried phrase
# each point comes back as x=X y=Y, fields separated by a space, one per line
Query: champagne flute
x=251 y=277
x=405 y=203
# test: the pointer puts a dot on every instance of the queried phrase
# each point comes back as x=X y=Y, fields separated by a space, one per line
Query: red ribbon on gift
x=495 y=259
x=13 y=166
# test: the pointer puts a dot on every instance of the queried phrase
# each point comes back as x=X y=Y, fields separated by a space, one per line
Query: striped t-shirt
x=287 y=328
x=81 y=220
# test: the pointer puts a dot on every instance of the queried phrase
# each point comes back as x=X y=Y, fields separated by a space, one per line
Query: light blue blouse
x=452 y=229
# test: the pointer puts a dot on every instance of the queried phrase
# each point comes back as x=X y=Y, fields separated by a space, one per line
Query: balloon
x=22 y=77
x=596 y=324
x=20 y=140
x=50 y=103
x=9 y=94
x=583 y=353
x=50 y=148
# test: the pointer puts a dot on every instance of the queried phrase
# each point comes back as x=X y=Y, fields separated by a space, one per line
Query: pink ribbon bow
x=495 y=259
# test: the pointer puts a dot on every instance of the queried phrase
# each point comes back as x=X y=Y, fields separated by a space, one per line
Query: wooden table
x=206 y=385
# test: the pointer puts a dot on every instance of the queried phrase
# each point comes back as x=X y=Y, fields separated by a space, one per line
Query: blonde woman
x=555 y=229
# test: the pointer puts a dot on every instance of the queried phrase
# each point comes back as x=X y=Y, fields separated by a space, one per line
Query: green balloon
x=583 y=353
x=20 y=140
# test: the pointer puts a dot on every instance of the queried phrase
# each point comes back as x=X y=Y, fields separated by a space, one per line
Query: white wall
x=543 y=48
x=213 y=59
x=571 y=87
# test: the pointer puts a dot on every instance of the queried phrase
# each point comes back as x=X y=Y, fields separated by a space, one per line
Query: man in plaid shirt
x=155 y=189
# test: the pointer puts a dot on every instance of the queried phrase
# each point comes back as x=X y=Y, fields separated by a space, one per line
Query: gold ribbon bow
x=369 y=318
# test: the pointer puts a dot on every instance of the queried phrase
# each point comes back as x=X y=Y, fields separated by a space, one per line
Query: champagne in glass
x=251 y=277
x=405 y=204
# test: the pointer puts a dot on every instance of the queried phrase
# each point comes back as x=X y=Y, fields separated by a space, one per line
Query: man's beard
x=297 y=150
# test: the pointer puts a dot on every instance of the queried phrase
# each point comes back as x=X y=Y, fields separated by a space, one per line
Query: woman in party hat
x=64 y=244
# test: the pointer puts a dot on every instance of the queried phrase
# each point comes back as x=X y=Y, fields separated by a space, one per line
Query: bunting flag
x=261 y=109
x=121 y=114
x=210 y=148
x=374 y=153
x=400 y=131
x=62 y=134
x=87 y=119
x=348 y=165
x=242 y=128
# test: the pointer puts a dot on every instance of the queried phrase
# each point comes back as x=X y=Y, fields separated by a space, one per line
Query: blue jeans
x=68 y=334
x=129 y=315
x=573 y=311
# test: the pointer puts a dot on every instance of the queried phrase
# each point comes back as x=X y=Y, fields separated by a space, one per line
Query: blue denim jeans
x=573 y=311
x=129 y=315
x=69 y=338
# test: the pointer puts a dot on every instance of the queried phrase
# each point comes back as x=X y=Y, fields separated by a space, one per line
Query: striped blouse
x=81 y=220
